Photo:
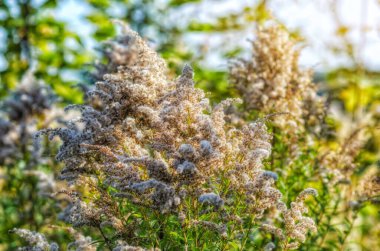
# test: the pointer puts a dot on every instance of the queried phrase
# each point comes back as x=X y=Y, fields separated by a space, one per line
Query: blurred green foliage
x=34 y=38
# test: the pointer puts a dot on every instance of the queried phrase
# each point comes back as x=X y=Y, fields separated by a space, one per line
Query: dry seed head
x=271 y=81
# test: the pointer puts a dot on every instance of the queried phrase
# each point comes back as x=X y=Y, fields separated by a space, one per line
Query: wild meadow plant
x=150 y=164
x=271 y=82
x=27 y=175
x=156 y=166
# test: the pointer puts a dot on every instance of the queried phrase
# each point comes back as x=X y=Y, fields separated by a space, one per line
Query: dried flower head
x=272 y=82
x=26 y=110
x=122 y=246
x=339 y=164
x=296 y=224
x=36 y=240
x=369 y=188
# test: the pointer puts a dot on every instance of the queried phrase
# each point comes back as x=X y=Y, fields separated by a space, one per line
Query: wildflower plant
x=27 y=175
x=271 y=82
x=155 y=165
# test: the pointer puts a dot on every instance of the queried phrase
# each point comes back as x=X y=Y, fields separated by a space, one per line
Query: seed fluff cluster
x=23 y=113
x=337 y=165
x=37 y=241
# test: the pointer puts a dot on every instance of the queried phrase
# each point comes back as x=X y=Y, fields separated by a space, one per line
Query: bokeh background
x=59 y=41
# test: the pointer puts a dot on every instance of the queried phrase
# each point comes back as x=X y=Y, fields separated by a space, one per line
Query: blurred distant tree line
x=33 y=37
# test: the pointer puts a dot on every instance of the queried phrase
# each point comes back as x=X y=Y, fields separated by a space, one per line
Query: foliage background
x=35 y=36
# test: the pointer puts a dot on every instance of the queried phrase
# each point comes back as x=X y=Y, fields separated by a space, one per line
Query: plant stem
x=106 y=240
x=349 y=229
